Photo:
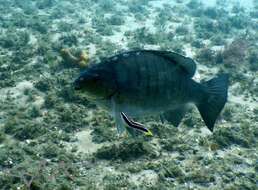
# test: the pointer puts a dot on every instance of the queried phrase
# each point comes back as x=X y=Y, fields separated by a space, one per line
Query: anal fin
x=174 y=116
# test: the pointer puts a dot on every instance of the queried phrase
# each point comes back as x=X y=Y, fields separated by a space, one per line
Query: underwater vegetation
x=52 y=137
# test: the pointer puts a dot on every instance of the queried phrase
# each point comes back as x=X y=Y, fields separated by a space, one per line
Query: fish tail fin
x=215 y=92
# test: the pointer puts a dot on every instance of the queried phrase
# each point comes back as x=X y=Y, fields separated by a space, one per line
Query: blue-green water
x=53 y=137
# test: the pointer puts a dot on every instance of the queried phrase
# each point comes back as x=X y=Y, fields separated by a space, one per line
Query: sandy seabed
x=54 y=138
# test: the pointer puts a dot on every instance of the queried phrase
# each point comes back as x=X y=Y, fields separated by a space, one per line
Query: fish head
x=96 y=82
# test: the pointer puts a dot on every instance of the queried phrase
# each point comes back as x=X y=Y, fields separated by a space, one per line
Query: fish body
x=148 y=82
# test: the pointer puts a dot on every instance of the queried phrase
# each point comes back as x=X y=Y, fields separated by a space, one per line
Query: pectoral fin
x=119 y=124
x=118 y=120
x=174 y=116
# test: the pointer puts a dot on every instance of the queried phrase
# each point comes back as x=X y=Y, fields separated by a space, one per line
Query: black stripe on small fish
x=133 y=124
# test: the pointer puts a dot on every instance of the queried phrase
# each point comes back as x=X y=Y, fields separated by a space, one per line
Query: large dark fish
x=148 y=82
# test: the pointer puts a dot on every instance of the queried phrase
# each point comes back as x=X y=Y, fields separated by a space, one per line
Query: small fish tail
x=211 y=103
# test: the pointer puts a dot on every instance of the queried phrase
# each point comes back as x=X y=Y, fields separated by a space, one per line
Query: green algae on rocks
x=40 y=115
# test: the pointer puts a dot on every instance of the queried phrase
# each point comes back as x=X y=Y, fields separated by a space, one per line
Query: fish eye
x=96 y=79
x=95 y=76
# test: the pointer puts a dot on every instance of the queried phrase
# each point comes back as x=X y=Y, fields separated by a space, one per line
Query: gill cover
x=96 y=81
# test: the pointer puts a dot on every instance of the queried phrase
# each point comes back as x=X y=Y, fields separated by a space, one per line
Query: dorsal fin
x=187 y=64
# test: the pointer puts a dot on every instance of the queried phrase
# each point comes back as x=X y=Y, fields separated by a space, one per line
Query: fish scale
x=156 y=78
x=149 y=82
x=152 y=83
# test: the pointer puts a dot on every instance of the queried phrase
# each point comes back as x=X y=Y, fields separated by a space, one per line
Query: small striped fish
x=148 y=82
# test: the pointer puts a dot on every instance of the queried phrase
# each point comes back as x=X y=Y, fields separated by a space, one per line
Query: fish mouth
x=106 y=98
x=77 y=87
x=91 y=97
x=96 y=98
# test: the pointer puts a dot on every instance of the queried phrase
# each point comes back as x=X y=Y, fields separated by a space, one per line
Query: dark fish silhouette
x=148 y=82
